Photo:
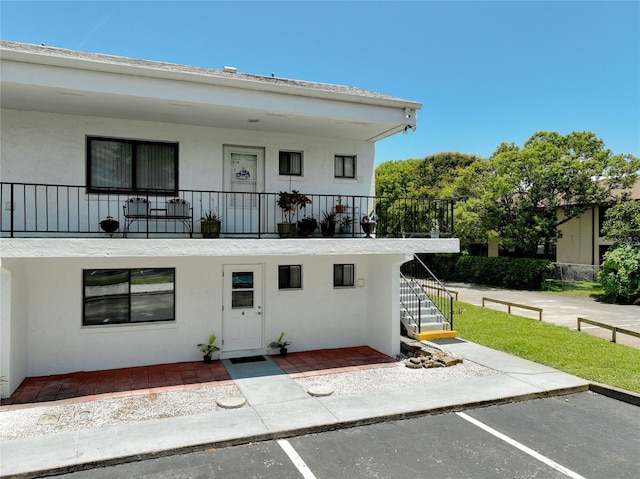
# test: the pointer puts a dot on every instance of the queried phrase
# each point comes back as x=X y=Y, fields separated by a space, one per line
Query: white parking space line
x=296 y=459
x=522 y=447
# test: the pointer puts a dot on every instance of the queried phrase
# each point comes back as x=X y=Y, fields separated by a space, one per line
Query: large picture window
x=132 y=166
x=117 y=296
x=345 y=166
x=290 y=163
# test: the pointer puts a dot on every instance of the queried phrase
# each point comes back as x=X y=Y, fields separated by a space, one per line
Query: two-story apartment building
x=155 y=147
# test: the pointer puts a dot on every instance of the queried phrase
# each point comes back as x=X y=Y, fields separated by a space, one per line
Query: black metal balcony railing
x=40 y=210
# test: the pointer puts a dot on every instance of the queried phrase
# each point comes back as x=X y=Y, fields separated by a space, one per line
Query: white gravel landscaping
x=399 y=376
x=49 y=418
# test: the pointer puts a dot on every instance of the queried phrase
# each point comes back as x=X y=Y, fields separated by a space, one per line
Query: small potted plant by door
x=210 y=225
x=209 y=348
x=280 y=344
x=328 y=224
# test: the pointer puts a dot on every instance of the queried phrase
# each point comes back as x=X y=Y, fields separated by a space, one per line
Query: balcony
x=45 y=210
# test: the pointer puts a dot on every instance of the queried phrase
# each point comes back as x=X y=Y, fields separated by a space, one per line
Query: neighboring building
x=582 y=242
x=83 y=135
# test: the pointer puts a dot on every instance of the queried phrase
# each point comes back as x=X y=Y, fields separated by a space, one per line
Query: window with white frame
x=131 y=166
x=120 y=296
x=345 y=166
x=343 y=275
x=290 y=276
x=290 y=163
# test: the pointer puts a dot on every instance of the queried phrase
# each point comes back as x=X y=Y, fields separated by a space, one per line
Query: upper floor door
x=243 y=179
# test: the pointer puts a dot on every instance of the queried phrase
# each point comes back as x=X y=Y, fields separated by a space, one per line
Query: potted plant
x=109 y=225
x=177 y=207
x=368 y=224
x=137 y=206
x=435 y=228
x=307 y=225
x=340 y=208
x=209 y=348
x=280 y=344
x=345 y=224
x=328 y=223
x=210 y=225
x=289 y=202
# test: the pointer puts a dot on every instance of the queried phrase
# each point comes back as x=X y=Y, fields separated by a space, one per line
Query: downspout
x=593 y=235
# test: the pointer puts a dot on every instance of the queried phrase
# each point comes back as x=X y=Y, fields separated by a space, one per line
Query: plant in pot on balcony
x=177 y=207
x=209 y=348
x=290 y=202
x=328 y=223
x=280 y=344
x=340 y=208
x=345 y=224
x=435 y=228
x=307 y=225
x=368 y=224
x=210 y=225
x=137 y=206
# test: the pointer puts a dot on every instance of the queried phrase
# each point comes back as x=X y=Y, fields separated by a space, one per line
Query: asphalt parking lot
x=580 y=435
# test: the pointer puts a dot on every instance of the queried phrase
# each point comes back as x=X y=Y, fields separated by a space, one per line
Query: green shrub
x=516 y=273
x=620 y=275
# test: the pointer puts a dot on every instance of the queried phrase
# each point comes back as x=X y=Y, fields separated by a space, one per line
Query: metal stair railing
x=409 y=303
x=431 y=286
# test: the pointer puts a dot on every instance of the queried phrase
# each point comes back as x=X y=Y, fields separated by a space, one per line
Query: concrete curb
x=616 y=393
x=295 y=432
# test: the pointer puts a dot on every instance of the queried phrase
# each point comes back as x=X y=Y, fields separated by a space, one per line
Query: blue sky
x=486 y=72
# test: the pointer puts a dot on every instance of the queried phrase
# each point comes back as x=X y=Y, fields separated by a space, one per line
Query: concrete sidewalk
x=558 y=309
x=277 y=407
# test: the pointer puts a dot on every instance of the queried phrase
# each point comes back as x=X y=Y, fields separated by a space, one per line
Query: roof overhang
x=54 y=80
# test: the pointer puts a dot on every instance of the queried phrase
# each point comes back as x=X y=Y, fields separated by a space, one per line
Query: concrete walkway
x=278 y=407
x=558 y=309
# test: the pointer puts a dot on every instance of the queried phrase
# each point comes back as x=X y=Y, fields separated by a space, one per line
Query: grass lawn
x=570 y=351
x=575 y=289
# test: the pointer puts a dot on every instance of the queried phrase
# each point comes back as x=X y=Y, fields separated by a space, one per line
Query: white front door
x=244 y=178
x=242 y=307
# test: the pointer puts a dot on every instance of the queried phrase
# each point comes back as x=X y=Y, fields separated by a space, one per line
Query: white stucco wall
x=317 y=316
x=42 y=147
x=13 y=324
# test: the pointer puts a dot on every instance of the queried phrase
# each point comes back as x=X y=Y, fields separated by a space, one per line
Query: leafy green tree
x=532 y=190
x=432 y=176
x=622 y=222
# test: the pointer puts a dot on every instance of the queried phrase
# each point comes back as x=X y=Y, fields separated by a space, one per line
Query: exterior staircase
x=422 y=316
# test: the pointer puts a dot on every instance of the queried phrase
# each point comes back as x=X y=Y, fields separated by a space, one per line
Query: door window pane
x=242 y=280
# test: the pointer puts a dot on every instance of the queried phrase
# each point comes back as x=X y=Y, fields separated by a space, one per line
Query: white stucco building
x=83 y=134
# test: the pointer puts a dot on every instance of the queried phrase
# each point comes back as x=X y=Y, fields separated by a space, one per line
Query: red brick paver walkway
x=118 y=381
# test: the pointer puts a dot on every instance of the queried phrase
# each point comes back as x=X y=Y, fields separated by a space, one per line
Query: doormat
x=447 y=341
x=248 y=359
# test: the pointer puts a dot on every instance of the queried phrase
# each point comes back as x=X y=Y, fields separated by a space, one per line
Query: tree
x=622 y=222
x=432 y=176
x=531 y=191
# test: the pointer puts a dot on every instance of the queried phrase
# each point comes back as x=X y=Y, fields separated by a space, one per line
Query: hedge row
x=513 y=273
